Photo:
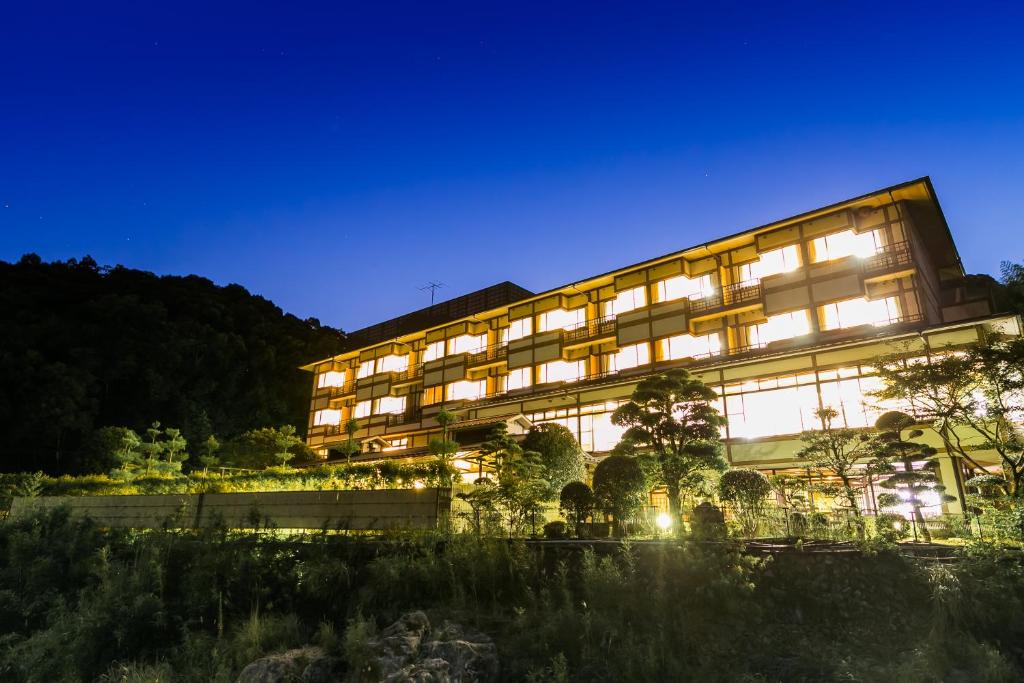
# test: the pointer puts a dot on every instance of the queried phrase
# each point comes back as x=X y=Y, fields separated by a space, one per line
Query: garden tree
x=521 y=487
x=620 y=488
x=83 y=346
x=790 y=490
x=889 y=448
x=747 y=490
x=152 y=447
x=350 y=447
x=576 y=502
x=444 y=447
x=671 y=418
x=974 y=397
x=265 y=447
x=208 y=453
x=482 y=499
x=1010 y=296
x=174 y=447
x=837 y=450
x=560 y=454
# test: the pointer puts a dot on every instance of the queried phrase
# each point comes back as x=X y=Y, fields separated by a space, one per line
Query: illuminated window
x=389 y=404
x=432 y=395
x=331 y=378
x=560 y=319
x=851 y=398
x=777 y=327
x=362 y=409
x=784 y=260
x=755 y=413
x=517 y=329
x=396 y=444
x=467 y=390
x=562 y=371
x=846 y=243
x=365 y=369
x=467 y=343
x=518 y=378
x=433 y=351
x=327 y=417
x=392 y=363
x=629 y=357
x=681 y=287
x=625 y=301
x=687 y=346
x=590 y=424
x=854 y=312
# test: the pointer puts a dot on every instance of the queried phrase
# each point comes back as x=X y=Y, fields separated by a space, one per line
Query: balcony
x=588 y=331
x=406 y=417
x=411 y=374
x=343 y=390
x=487 y=355
x=895 y=256
x=731 y=296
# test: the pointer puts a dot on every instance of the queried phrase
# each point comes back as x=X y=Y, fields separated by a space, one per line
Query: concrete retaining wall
x=355 y=510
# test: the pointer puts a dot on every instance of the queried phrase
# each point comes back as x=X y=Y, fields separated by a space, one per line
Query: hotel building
x=780 y=320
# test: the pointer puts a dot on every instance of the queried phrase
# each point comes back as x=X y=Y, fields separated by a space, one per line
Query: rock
x=411 y=653
x=285 y=666
x=407 y=651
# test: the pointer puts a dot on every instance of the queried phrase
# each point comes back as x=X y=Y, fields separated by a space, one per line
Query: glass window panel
x=778 y=327
x=688 y=346
x=519 y=378
x=327 y=417
x=433 y=351
x=846 y=243
x=562 y=371
x=559 y=319
x=365 y=369
x=680 y=287
x=392 y=363
x=467 y=343
x=628 y=357
x=517 y=329
x=467 y=390
x=390 y=404
x=362 y=409
x=331 y=378
x=861 y=311
x=774 y=262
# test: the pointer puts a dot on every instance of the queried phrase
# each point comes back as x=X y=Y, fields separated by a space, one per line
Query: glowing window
x=466 y=390
x=327 y=417
x=774 y=412
x=562 y=371
x=331 y=378
x=629 y=357
x=517 y=329
x=389 y=404
x=777 y=327
x=687 y=346
x=625 y=301
x=392 y=363
x=433 y=351
x=432 y=395
x=518 y=378
x=467 y=343
x=365 y=369
x=560 y=319
x=854 y=312
x=846 y=243
x=362 y=409
x=852 y=399
x=784 y=260
x=396 y=444
x=681 y=287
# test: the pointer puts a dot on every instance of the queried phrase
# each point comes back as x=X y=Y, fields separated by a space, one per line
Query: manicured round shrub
x=620 y=487
x=707 y=522
x=556 y=530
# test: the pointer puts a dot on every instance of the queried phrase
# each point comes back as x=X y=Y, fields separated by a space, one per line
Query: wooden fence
x=416 y=509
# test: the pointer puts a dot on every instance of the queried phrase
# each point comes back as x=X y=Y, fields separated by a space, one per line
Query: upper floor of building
x=882 y=261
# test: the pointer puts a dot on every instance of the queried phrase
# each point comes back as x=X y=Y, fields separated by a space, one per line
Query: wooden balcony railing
x=487 y=354
x=888 y=257
x=591 y=329
x=402 y=418
x=736 y=294
x=409 y=374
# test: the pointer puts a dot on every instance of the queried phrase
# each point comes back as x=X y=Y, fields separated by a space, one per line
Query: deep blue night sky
x=334 y=158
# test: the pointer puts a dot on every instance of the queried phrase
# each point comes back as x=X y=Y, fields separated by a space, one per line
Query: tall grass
x=80 y=603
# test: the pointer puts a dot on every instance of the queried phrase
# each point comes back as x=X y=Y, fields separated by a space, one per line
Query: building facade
x=780 y=320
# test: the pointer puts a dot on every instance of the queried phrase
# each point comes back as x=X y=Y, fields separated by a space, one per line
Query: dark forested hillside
x=83 y=346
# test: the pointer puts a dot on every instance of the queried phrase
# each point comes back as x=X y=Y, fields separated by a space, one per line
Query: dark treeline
x=84 y=346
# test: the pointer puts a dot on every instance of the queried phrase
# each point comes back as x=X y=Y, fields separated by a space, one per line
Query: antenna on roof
x=433 y=287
